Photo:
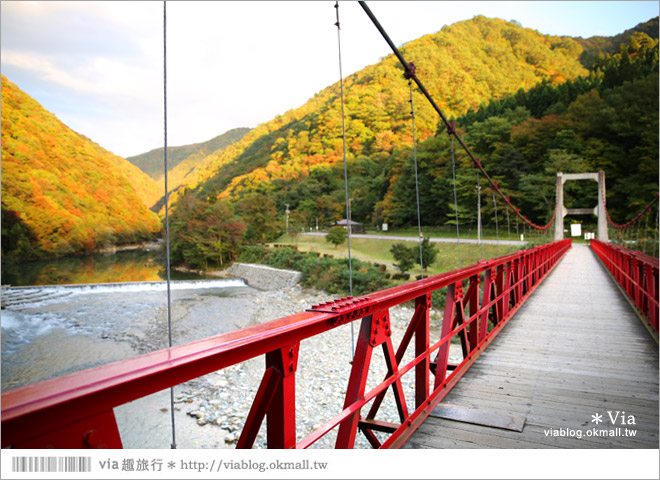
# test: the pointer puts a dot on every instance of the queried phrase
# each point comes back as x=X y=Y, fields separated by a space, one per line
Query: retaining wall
x=263 y=277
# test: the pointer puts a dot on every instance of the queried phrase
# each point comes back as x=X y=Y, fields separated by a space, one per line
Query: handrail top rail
x=648 y=259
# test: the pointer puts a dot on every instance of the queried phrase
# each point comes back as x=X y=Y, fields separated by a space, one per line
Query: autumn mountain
x=61 y=192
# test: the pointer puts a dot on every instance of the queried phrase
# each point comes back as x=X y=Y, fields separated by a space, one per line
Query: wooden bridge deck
x=576 y=349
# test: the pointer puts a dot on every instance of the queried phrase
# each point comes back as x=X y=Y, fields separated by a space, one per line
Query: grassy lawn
x=450 y=232
x=374 y=250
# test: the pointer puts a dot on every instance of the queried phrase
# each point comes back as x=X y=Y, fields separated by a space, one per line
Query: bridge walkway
x=574 y=352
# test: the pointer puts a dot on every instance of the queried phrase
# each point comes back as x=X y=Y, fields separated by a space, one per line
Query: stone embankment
x=264 y=278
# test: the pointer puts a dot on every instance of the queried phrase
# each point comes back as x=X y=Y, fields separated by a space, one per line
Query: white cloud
x=99 y=76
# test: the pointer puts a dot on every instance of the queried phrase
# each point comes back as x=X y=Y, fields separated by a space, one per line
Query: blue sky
x=98 y=65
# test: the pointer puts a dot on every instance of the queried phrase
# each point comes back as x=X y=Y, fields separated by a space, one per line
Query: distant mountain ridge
x=151 y=162
x=599 y=45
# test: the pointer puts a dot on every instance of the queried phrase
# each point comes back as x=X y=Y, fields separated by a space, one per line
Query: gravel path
x=415 y=239
x=210 y=411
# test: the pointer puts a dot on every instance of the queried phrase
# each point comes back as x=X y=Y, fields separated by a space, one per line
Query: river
x=101 y=308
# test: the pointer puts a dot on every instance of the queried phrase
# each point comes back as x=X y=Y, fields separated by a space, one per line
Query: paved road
x=414 y=239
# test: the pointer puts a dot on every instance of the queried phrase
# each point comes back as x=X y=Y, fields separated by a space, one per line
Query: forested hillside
x=523 y=100
x=61 y=192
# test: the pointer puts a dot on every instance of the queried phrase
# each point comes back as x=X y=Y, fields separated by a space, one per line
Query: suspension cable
x=648 y=207
x=452 y=130
x=343 y=136
x=419 y=216
x=167 y=216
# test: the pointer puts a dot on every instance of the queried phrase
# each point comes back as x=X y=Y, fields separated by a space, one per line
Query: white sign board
x=576 y=230
x=384 y=227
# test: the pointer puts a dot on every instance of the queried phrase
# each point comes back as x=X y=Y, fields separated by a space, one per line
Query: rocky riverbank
x=210 y=411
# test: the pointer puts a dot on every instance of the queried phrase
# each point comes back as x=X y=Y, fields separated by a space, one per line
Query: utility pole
x=479 y=214
x=287 y=218
x=349 y=226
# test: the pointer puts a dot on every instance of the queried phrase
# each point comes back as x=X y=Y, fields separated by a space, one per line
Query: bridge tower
x=598 y=210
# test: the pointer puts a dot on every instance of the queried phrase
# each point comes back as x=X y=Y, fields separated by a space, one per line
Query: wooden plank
x=479 y=417
x=484 y=437
x=534 y=436
x=557 y=354
x=602 y=398
x=606 y=373
x=608 y=366
x=634 y=389
x=587 y=399
x=555 y=414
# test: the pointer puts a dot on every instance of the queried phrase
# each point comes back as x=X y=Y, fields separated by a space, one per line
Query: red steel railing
x=76 y=410
x=637 y=274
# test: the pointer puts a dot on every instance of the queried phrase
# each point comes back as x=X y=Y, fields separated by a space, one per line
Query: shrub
x=404 y=256
x=336 y=236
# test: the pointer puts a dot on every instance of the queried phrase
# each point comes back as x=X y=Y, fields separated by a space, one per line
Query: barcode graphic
x=51 y=464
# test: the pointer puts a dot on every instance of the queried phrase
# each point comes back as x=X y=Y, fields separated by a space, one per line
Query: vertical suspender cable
x=655 y=232
x=480 y=232
x=419 y=216
x=508 y=227
x=517 y=234
x=646 y=230
x=167 y=216
x=497 y=229
x=453 y=174
x=343 y=136
x=630 y=236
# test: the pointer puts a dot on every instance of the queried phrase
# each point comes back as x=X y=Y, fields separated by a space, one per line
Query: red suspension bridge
x=553 y=339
